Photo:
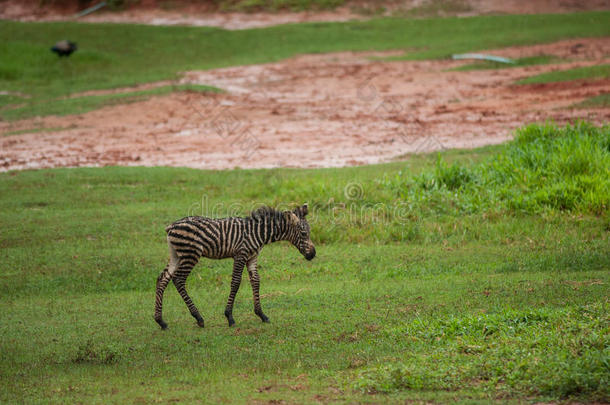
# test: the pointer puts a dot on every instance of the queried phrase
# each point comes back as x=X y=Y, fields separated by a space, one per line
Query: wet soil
x=185 y=12
x=316 y=111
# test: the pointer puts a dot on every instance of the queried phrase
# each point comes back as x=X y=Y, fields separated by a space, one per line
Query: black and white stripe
x=242 y=239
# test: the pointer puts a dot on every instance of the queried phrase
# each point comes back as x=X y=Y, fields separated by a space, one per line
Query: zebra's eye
x=304 y=230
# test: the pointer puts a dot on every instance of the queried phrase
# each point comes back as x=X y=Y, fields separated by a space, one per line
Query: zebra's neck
x=285 y=231
x=269 y=230
x=271 y=226
x=279 y=230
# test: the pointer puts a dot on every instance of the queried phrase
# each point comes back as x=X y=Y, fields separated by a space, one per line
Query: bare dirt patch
x=185 y=12
x=315 y=111
x=181 y=13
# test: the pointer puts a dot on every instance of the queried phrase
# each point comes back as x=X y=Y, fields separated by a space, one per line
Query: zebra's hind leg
x=180 y=282
x=162 y=282
x=238 y=268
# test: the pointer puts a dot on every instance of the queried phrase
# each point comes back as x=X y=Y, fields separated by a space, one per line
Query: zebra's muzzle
x=311 y=254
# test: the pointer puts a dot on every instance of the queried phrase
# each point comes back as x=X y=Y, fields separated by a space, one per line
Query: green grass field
x=79 y=105
x=116 y=55
x=470 y=276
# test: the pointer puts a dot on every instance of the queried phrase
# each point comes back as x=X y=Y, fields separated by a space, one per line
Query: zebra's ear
x=300 y=211
x=291 y=217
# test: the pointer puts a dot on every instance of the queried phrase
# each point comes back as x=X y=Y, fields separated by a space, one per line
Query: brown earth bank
x=208 y=13
x=316 y=111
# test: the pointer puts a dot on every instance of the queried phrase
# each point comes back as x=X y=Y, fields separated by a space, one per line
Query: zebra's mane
x=266 y=213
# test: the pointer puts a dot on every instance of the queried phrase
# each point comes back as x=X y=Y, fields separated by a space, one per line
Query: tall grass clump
x=545 y=168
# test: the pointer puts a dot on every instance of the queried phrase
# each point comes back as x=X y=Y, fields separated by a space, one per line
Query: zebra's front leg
x=238 y=268
x=162 y=282
x=255 y=282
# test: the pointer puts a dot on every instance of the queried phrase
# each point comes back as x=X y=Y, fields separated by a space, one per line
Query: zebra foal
x=191 y=238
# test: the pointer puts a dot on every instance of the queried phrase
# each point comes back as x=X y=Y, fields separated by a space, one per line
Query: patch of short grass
x=79 y=105
x=10 y=99
x=34 y=130
x=583 y=73
x=603 y=100
x=559 y=352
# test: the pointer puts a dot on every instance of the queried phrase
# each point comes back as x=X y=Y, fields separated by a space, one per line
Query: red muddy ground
x=316 y=111
x=202 y=13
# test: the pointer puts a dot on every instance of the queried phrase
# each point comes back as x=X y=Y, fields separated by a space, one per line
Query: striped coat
x=242 y=239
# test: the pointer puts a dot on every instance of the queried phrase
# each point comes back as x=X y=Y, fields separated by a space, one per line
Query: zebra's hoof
x=229 y=316
x=199 y=319
x=162 y=324
x=261 y=315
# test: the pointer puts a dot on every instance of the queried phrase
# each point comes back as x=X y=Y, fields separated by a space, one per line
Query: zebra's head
x=299 y=232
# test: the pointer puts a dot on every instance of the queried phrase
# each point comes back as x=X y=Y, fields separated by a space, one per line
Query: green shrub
x=453 y=177
x=544 y=168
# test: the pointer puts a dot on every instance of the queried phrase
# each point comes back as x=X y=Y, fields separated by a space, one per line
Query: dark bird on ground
x=64 y=48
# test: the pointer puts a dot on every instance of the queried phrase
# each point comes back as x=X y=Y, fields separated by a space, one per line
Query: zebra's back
x=207 y=237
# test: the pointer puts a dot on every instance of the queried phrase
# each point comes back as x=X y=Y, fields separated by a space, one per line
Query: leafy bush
x=453 y=177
